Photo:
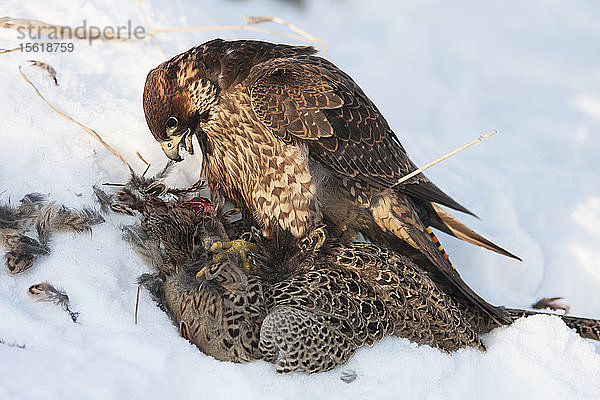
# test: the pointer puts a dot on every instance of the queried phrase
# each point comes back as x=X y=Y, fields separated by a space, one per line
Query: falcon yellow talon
x=239 y=246
x=233 y=246
x=216 y=246
x=200 y=273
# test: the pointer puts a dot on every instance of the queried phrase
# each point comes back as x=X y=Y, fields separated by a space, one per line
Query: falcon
x=294 y=142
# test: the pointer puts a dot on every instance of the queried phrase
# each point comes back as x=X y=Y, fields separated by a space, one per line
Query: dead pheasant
x=308 y=305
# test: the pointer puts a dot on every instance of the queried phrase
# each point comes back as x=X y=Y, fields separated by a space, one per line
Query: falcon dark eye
x=171 y=122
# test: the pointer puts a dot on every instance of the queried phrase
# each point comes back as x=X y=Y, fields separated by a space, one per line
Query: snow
x=442 y=73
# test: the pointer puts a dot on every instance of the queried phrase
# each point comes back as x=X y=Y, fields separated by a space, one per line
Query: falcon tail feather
x=449 y=224
x=427 y=190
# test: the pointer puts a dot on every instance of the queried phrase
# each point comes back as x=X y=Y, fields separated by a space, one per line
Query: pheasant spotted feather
x=308 y=306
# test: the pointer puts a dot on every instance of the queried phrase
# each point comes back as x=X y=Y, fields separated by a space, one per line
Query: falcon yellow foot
x=239 y=246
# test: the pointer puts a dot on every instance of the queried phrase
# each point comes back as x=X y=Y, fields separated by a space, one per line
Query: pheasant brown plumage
x=354 y=295
x=309 y=307
x=336 y=300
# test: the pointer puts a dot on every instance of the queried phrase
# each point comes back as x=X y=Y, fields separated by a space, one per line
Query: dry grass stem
x=300 y=35
x=67 y=32
x=21 y=23
x=445 y=156
x=89 y=131
x=2 y=51
x=142 y=158
x=228 y=28
x=253 y=20
x=113 y=184
x=144 y=161
x=147 y=23
x=137 y=302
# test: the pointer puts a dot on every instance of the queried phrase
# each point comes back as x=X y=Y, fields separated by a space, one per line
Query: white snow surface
x=442 y=73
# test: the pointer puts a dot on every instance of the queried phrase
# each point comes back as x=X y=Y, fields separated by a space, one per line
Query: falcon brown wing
x=307 y=99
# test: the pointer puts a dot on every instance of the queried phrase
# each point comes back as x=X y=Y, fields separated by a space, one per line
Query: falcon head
x=176 y=103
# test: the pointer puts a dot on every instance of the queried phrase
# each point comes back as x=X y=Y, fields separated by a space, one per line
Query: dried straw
x=89 y=131
x=2 y=51
x=303 y=34
x=21 y=23
x=300 y=35
x=442 y=158
x=62 y=30
x=147 y=23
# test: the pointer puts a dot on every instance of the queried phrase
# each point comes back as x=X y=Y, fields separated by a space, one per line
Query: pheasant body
x=306 y=305
x=220 y=314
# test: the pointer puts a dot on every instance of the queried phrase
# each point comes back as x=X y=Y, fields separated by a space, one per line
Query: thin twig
x=442 y=158
x=2 y=51
x=89 y=131
x=141 y=158
x=146 y=170
x=113 y=184
x=137 y=301
x=147 y=23
x=300 y=35
x=252 y=20
x=144 y=161
x=229 y=28
x=62 y=30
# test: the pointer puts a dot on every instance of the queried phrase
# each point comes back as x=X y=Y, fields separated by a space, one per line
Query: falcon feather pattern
x=293 y=141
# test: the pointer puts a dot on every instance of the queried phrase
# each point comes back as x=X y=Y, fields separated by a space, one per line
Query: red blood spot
x=201 y=204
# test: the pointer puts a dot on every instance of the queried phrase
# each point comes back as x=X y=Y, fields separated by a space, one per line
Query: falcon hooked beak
x=176 y=140
x=177 y=105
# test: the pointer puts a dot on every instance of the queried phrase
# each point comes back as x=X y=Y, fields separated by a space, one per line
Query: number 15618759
x=47 y=47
